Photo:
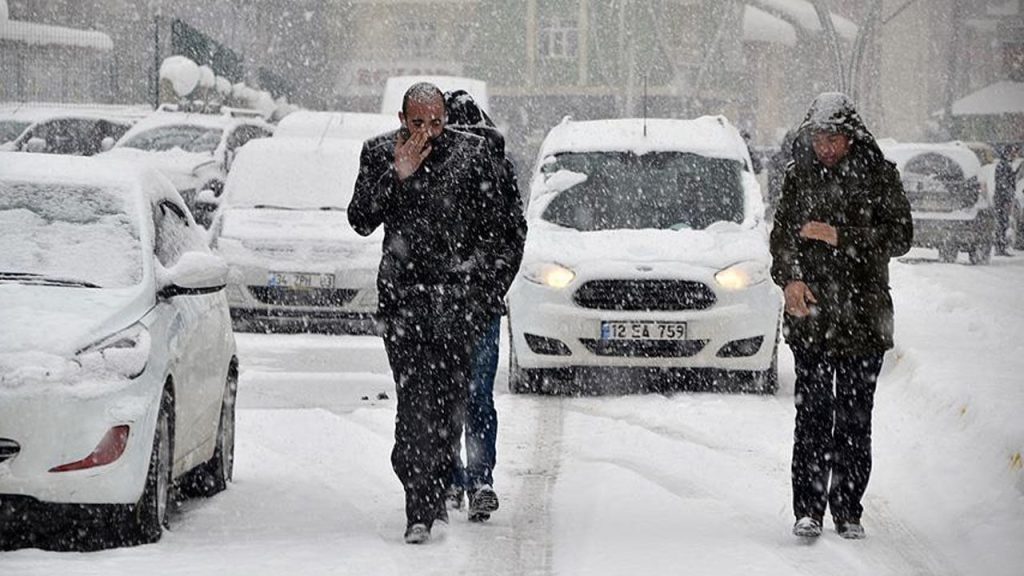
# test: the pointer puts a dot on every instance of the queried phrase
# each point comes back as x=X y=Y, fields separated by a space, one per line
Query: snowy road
x=692 y=483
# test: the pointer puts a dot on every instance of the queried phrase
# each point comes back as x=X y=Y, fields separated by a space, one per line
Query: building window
x=558 y=39
x=418 y=40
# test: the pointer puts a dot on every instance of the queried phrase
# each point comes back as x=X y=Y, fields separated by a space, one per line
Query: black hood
x=465 y=115
x=835 y=112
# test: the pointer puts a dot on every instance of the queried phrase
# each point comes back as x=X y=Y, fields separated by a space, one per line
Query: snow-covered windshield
x=935 y=182
x=11 y=129
x=186 y=137
x=68 y=235
x=661 y=190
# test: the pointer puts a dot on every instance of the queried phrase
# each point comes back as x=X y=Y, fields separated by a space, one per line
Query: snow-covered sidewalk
x=693 y=483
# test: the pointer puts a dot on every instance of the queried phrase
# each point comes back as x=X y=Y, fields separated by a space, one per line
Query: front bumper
x=55 y=424
x=552 y=314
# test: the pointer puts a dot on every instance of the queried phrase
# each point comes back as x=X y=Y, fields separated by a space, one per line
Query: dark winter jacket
x=445 y=247
x=863 y=198
x=465 y=116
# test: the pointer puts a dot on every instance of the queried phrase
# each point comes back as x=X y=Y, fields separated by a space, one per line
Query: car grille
x=645 y=348
x=319 y=297
x=8 y=449
x=662 y=295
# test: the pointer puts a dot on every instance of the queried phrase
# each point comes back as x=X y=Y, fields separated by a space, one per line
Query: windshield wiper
x=332 y=209
x=30 y=278
x=271 y=207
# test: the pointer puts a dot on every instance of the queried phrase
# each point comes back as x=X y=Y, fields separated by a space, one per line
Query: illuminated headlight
x=125 y=353
x=550 y=274
x=741 y=276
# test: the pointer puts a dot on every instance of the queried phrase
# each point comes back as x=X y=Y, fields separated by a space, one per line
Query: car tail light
x=110 y=448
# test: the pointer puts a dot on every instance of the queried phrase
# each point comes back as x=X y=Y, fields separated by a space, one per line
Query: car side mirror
x=36 y=145
x=195 y=273
x=106 y=144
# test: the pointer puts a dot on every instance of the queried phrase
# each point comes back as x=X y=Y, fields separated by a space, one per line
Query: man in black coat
x=843 y=214
x=445 y=262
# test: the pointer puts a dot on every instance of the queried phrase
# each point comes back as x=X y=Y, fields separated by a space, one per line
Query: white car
x=647 y=251
x=283 y=229
x=194 y=150
x=117 y=360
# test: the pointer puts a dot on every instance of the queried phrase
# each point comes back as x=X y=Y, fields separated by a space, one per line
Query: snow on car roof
x=38 y=111
x=294 y=173
x=394 y=90
x=353 y=125
x=96 y=171
x=167 y=118
x=902 y=152
x=711 y=136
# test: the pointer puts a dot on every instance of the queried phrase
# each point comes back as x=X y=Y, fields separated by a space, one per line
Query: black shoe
x=454 y=497
x=850 y=529
x=807 y=527
x=417 y=534
x=482 y=502
x=442 y=514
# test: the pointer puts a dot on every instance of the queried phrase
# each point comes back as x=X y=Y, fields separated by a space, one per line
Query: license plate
x=643 y=331
x=300 y=280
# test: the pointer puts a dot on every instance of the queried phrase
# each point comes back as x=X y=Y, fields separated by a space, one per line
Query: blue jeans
x=481 y=418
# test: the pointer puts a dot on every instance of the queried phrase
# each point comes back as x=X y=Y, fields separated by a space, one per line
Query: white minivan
x=647 y=253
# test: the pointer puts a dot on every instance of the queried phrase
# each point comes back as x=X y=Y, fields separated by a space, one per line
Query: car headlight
x=549 y=274
x=125 y=353
x=741 y=276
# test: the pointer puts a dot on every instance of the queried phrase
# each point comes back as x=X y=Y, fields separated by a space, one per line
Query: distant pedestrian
x=777 y=165
x=1003 y=198
x=436 y=193
x=475 y=478
x=843 y=214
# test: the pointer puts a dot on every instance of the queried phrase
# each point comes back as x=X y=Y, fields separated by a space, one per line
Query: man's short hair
x=422 y=93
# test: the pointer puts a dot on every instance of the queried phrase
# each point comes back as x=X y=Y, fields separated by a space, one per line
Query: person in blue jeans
x=474 y=478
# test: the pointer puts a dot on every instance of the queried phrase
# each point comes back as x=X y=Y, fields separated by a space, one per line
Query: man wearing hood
x=843 y=214
x=435 y=192
x=475 y=478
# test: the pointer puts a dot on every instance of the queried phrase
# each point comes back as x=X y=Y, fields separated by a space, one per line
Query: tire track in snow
x=525 y=548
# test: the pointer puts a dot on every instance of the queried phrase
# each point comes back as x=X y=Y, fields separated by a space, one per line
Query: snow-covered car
x=647 y=249
x=117 y=360
x=282 y=227
x=194 y=150
x=351 y=125
x=76 y=131
x=949 y=198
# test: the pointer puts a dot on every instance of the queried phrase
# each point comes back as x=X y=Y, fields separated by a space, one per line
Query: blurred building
x=40 y=62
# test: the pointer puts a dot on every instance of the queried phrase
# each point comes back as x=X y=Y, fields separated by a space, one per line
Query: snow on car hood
x=58 y=321
x=312 y=237
x=179 y=166
x=717 y=247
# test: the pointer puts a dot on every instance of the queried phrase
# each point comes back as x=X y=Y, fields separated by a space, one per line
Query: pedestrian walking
x=1003 y=198
x=843 y=214
x=475 y=478
x=435 y=191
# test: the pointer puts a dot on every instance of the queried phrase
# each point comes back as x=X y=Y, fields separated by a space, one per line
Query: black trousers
x=430 y=361
x=833 y=432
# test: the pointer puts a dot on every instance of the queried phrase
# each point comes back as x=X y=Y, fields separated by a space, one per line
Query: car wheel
x=212 y=477
x=981 y=253
x=148 y=517
x=948 y=252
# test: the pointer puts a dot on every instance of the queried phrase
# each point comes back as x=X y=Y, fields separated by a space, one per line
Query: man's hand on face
x=798 y=296
x=410 y=153
x=820 y=231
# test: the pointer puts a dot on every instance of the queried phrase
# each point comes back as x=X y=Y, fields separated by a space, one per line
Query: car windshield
x=661 y=190
x=936 y=183
x=68 y=235
x=186 y=137
x=11 y=129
